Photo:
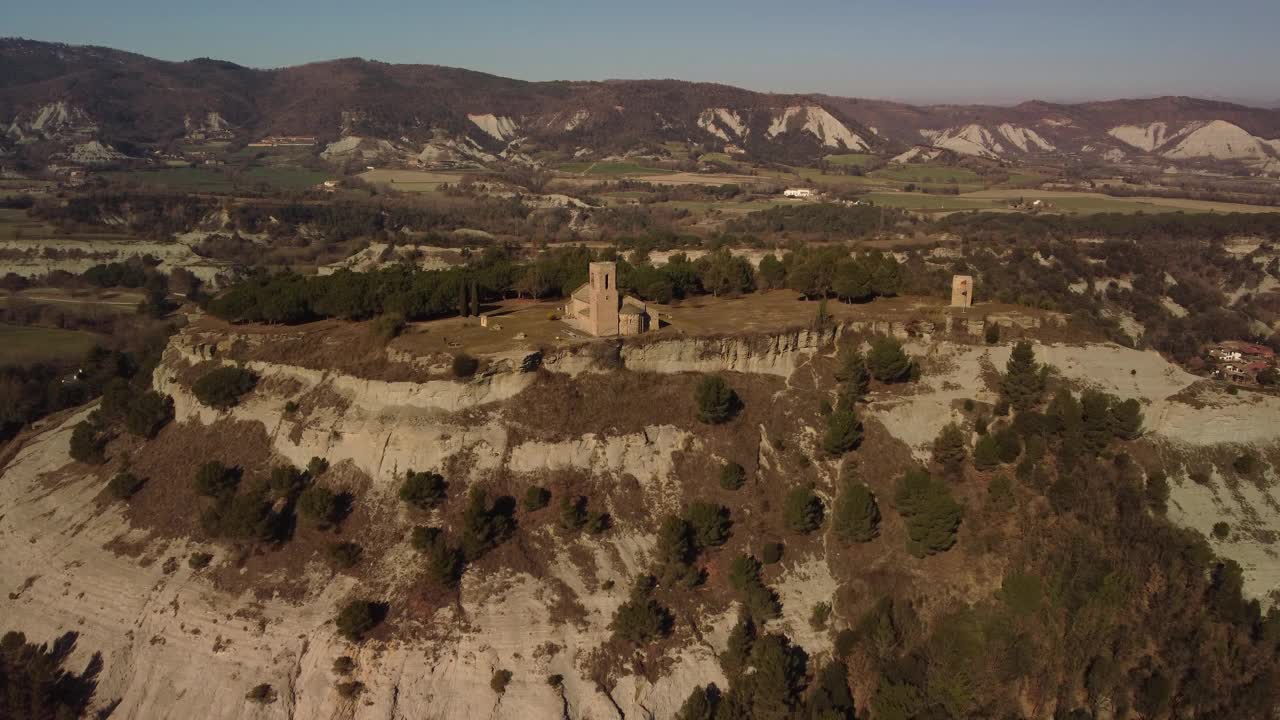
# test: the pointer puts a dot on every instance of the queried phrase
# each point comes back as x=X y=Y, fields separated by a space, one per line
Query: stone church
x=597 y=308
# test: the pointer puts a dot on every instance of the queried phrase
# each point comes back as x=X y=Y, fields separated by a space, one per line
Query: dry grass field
x=26 y=345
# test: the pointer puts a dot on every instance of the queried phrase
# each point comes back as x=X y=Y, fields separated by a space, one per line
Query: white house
x=799 y=192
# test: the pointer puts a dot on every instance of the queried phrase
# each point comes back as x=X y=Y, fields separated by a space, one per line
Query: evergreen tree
x=856 y=517
x=1095 y=408
x=844 y=429
x=831 y=699
x=986 y=454
x=701 y=704
x=931 y=514
x=803 y=510
x=732 y=476
x=950 y=448
x=710 y=524
x=887 y=361
x=1023 y=384
x=852 y=371
x=717 y=402
x=1008 y=445
x=475 y=298
x=1126 y=419
x=779 y=677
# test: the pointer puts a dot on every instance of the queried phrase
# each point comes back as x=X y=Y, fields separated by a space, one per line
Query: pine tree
x=932 y=515
x=950 y=448
x=887 y=362
x=852 y=371
x=1023 y=385
x=986 y=454
x=844 y=429
x=856 y=517
x=1095 y=408
x=1126 y=419
x=802 y=510
x=716 y=400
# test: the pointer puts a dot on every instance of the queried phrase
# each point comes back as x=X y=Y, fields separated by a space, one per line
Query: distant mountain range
x=88 y=103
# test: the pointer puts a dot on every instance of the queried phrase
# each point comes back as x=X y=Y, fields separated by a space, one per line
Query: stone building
x=962 y=291
x=597 y=308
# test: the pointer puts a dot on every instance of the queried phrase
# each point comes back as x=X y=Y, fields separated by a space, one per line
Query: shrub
x=1245 y=463
x=1126 y=419
x=573 y=512
x=291 y=407
x=536 y=497
x=199 y=560
x=732 y=476
x=316 y=467
x=717 y=402
x=887 y=362
x=124 y=485
x=88 y=442
x=222 y=388
x=485 y=527
x=555 y=681
x=344 y=665
x=464 y=366
x=674 y=552
x=802 y=510
x=641 y=619
x=357 y=618
x=262 y=694
x=846 y=641
x=423 y=490
x=1221 y=530
x=992 y=334
x=771 y=553
x=243 y=517
x=444 y=561
x=501 y=678
x=759 y=602
x=345 y=554
x=710 y=523
x=1268 y=377
x=844 y=430
x=932 y=515
x=350 y=688
x=284 y=481
x=147 y=412
x=1000 y=492
x=387 y=327
x=318 y=504
x=820 y=615
x=856 y=517
x=214 y=479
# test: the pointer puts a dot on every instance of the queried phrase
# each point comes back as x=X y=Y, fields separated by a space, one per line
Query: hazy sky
x=927 y=50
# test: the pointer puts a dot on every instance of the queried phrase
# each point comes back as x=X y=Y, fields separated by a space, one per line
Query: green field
x=24 y=345
x=206 y=179
x=18 y=225
x=848 y=159
x=188 y=178
x=610 y=168
x=933 y=203
x=928 y=174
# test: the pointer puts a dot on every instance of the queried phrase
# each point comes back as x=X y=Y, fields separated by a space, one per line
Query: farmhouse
x=596 y=308
x=799 y=192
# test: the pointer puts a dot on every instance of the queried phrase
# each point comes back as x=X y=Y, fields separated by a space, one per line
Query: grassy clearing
x=1082 y=202
x=18 y=225
x=285 y=177
x=24 y=345
x=851 y=159
x=933 y=203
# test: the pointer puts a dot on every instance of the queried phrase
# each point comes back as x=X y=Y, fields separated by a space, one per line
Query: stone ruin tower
x=962 y=291
x=603 y=283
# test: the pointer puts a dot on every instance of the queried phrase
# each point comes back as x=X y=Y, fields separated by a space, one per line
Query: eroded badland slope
x=618 y=427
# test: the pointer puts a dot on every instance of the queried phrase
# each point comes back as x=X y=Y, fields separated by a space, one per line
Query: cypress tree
x=475 y=298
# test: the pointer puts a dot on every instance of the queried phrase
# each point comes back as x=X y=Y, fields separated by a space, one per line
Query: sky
x=922 y=51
